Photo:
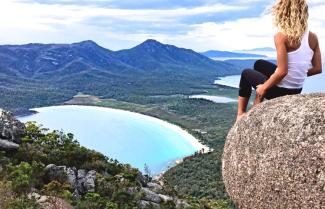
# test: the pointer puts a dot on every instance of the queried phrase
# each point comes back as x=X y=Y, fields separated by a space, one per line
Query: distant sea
x=312 y=84
x=128 y=137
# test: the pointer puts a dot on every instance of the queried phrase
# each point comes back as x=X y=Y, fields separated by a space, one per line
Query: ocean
x=313 y=84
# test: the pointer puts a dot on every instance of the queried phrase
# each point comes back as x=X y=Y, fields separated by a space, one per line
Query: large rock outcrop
x=275 y=156
x=11 y=131
x=80 y=180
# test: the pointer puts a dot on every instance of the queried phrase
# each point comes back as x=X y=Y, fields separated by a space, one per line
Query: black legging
x=262 y=71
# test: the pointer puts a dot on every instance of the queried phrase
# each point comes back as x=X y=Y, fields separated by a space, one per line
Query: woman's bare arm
x=282 y=62
x=317 y=58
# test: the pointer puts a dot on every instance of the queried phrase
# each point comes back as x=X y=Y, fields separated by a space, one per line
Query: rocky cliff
x=11 y=131
x=274 y=157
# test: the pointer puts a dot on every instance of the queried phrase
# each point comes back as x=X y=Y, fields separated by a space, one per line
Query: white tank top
x=299 y=62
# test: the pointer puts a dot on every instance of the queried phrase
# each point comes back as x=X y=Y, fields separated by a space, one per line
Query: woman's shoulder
x=313 y=40
x=280 y=37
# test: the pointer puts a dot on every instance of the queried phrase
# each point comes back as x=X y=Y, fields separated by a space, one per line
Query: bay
x=126 y=136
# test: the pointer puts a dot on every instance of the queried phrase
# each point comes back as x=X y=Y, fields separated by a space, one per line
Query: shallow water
x=128 y=137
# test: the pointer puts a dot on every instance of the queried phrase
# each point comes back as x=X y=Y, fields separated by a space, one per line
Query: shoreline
x=198 y=146
x=215 y=99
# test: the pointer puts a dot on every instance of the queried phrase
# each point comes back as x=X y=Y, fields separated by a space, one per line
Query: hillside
x=43 y=74
x=152 y=55
x=41 y=169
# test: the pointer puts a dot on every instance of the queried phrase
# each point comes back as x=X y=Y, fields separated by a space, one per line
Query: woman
x=298 y=56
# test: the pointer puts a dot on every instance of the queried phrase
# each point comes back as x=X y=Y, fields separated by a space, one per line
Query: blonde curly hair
x=291 y=18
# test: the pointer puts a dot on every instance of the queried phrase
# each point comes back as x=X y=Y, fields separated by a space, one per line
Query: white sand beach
x=184 y=135
x=190 y=138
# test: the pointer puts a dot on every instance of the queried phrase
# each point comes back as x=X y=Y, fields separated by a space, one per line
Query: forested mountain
x=153 y=55
x=42 y=74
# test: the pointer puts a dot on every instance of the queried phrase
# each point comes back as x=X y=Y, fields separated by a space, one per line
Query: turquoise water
x=128 y=137
x=312 y=84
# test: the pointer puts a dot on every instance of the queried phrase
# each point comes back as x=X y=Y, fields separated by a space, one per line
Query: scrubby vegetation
x=200 y=175
x=23 y=172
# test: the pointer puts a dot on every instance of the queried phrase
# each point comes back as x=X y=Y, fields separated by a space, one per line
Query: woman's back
x=299 y=62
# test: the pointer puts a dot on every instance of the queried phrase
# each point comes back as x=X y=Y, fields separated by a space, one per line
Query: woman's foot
x=239 y=116
x=258 y=99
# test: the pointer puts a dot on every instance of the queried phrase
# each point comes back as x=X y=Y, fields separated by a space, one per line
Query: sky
x=200 y=25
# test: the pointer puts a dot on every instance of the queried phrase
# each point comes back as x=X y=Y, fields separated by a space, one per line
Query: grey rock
x=8 y=145
x=76 y=195
x=11 y=130
x=80 y=186
x=71 y=177
x=81 y=173
x=141 y=179
x=80 y=180
x=274 y=157
x=165 y=198
x=151 y=196
x=55 y=172
x=90 y=180
x=155 y=187
x=49 y=167
x=148 y=205
x=34 y=195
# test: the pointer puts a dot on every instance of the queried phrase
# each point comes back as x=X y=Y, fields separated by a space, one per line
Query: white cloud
x=243 y=33
x=23 y=22
x=43 y=16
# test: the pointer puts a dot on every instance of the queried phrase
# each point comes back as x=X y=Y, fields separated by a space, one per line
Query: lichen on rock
x=274 y=157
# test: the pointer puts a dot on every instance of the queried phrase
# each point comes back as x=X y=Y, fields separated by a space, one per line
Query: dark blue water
x=312 y=84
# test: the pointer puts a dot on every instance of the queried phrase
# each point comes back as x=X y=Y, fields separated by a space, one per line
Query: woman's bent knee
x=245 y=73
x=259 y=64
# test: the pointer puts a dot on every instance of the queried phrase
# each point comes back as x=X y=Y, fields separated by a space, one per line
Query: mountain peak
x=151 y=43
x=151 y=46
x=87 y=43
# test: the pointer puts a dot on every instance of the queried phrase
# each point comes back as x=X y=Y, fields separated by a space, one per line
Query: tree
x=147 y=172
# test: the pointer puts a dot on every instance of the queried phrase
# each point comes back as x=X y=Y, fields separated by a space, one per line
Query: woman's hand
x=260 y=90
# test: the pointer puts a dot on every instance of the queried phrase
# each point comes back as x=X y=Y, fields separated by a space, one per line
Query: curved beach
x=121 y=117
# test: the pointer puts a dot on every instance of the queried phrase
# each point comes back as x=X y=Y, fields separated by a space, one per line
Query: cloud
x=65 y=14
x=244 y=33
x=200 y=25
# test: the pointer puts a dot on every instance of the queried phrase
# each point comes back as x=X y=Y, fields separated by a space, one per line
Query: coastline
x=199 y=147
x=215 y=99
x=222 y=81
